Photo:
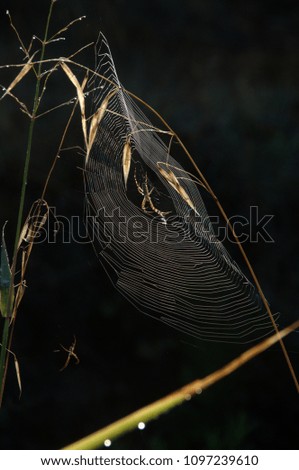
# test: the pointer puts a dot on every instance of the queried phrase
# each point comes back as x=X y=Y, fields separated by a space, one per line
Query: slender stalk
x=8 y=327
x=165 y=404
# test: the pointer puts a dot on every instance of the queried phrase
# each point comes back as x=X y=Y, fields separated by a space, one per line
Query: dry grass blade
x=18 y=298
x=34 y=222
x=17 y=369
x=18 y=78
x=23 y=233
x=18 y=374
x=174 y=183
x=95 y=121
x=190 y=176
x=31 y=228
x=156 y=409
x=80 y=95
x=127 y=156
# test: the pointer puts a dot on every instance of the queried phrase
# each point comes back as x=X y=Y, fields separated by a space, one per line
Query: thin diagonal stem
x=165 y=404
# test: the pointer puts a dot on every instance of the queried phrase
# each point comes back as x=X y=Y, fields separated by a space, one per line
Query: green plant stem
x=7 y=331
x=154 y=410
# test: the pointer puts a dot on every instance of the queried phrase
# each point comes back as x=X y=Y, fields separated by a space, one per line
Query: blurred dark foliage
x=225 y=75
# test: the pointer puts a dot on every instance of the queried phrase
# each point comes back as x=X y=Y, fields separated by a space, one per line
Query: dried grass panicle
x=23 y=72
x=174 y=183
x=96 y=120
x=81 y=98
x=127 y=157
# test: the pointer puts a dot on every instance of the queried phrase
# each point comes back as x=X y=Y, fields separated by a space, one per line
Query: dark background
x=225 y=75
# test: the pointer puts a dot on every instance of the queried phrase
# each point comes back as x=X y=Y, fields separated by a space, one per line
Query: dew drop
x=107 y=443
x=199 y=391
x=141 y=425
x=7 y=12
x=188 y=397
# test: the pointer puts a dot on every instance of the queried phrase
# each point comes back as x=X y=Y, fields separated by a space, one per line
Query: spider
x=71 y=353
x=147 y=200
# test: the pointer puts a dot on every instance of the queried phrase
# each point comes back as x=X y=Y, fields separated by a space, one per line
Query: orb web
x=150 y=227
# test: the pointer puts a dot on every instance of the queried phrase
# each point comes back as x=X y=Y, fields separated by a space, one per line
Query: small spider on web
x=147 y=204
x=71 y=353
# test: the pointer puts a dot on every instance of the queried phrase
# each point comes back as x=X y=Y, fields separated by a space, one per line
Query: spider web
x=152 y=233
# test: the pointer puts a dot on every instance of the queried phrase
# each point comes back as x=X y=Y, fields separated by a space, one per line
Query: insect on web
x=150 y=226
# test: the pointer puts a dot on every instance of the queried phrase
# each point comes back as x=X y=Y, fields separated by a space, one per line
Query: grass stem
x=8 y=323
